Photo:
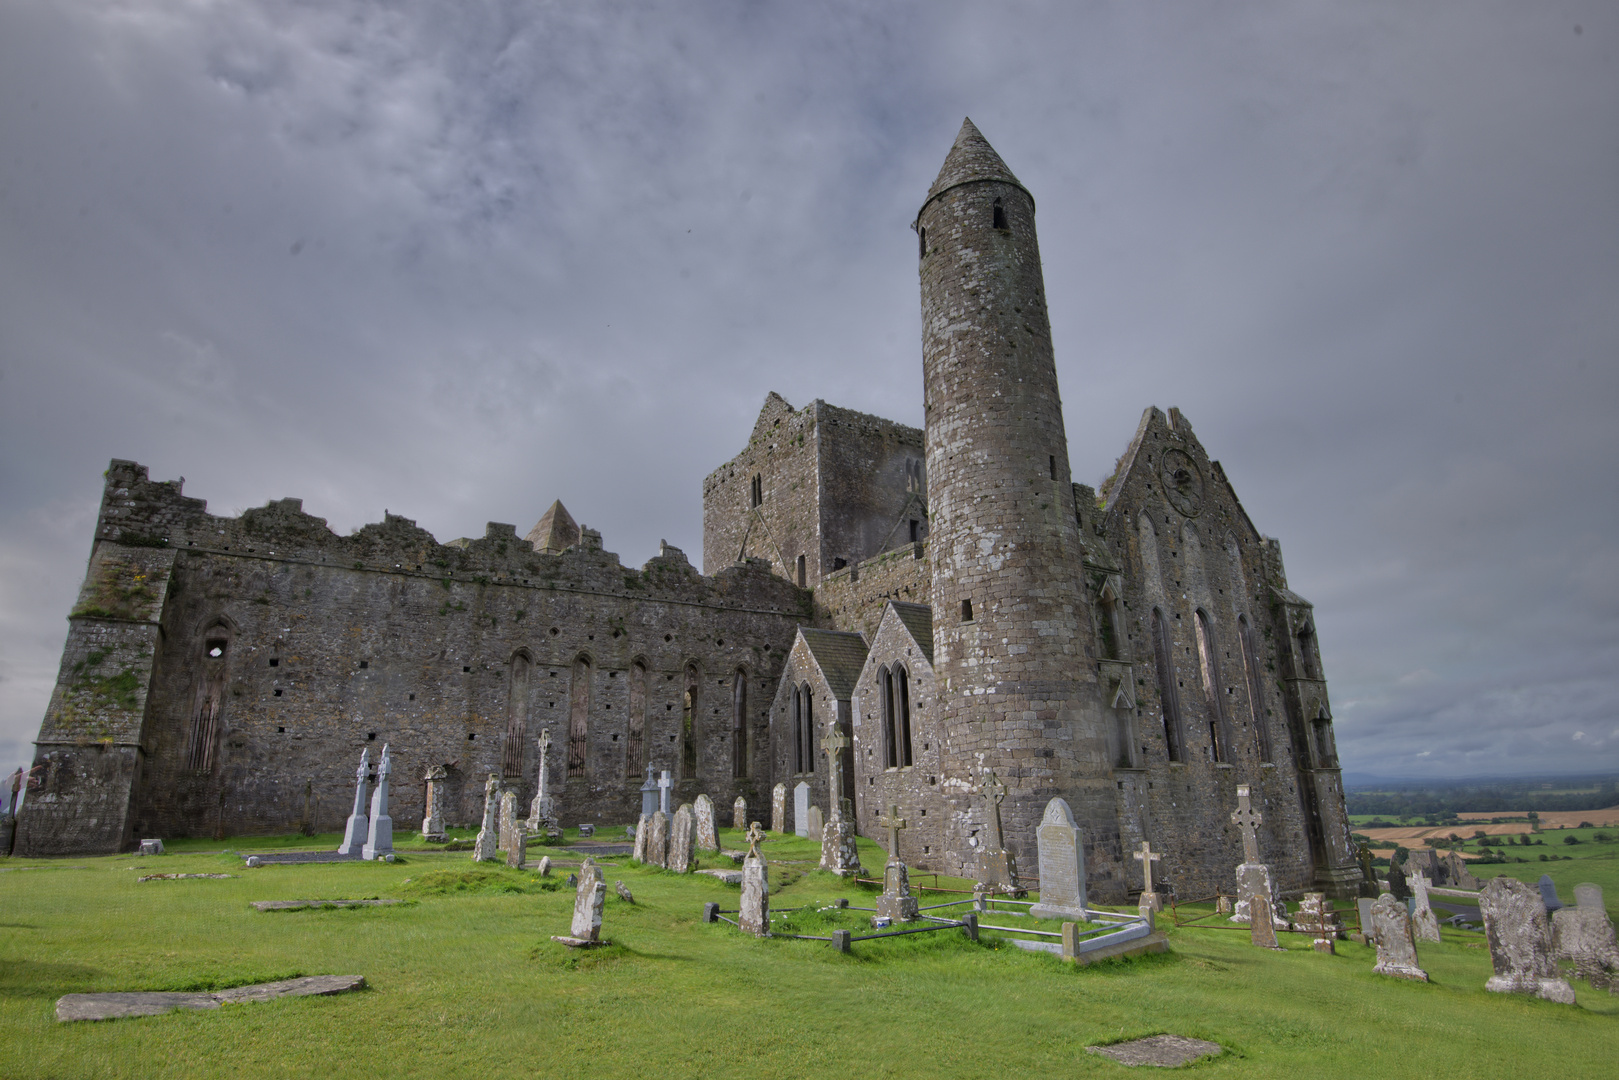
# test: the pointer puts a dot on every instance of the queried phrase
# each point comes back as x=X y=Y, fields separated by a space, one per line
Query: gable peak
x=971 y=158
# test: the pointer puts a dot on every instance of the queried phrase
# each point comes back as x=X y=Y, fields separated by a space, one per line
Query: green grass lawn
x=465 y=981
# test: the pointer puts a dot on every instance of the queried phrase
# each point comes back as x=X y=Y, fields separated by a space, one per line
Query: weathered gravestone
x=1062 y=865
x=151 y=847
x=1253 y=876
x=839 y=855
x=1460 y=876
x=801 y=804
x=666 y=784
x=1317 y=916
x=1261 y=924
x=1424 y=923
x=1391 y=933
x=545 y=866
x=483 y=849
x=649 y=793
x=682 y=841
x=433 y=824
x=708 y=836
x=517 y=853
x=1583 y=935
x=754 y=912
x=379 y=840
x=657 y=841
x=1519 y=933
x=815 y=823
x=354 y=832
x=1368 y=872
x=1149 y=895
x=587 y=907
x=739 y=813
x=509 y=825
x=896 y=903
x=1548 y=895
x=1397 y=882
x=778 y=808
x=1363 y=910
x=642 y=827
x=997 y=870
x=542 y=813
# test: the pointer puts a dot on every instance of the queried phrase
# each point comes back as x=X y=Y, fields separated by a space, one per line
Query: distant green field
x=464 y=981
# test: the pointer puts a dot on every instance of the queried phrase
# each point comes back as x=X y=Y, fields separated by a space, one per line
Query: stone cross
x=379 y=840
x=995 y=791
x=665 y=782
x=1246 y=818
x=834 y=745
x=755 y=835
x=1146 y=857
x=358 y=825
x=893 y=823
x=545 y=754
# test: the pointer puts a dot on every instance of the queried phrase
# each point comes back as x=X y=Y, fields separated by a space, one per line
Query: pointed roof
x=918 y=620
x=970 y=159
x=841 y=656
x=555 y=532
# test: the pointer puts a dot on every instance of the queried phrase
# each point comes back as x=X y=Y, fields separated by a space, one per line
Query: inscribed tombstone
x=1424 y=924
x=1397 y=882
x=801 y=802
x=1062 y=865
x=1583 y=935
x=708 y=837
x=1548 y=894
x=433 y=823
x=815 y=823
x=642 y=827
x=739 y=813
x=839 y=855
x=657 y=843
x=587 y=902
x=682 y=841
x=1519 y=933
x=483 y=849
x=1391 y=933
x=778 y=808
x=896 y=902
x=517 y=853
x=754 y=913
x=358 y=825
x=649 y=794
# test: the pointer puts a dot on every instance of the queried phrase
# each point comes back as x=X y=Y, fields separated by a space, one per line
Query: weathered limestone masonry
x=214 y=665
x=933 y=606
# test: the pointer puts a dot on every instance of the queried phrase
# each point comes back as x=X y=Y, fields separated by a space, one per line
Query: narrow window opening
x=904 y=718
x=739 y=725
x=890 y=743
x=758 y=489
x=511 y=758
x=1054 y=466
x=1219 y=742
x=1167 y=692
x=275 y=661
x=579 y=717
x=966 y=611
x=798 y=731
x=1000 y=215
x=916 y=531
x=1245 y=634
x=806 y=752
x=688 y=724
x=922 y=243
x=210 y=698
x=632 y=751
x=365 y=663
x=802 y=571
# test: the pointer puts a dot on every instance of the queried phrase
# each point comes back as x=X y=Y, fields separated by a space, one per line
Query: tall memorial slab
x=433 y=823
x=1519 y=934
x=778 y=808
x=1062 y=865
x=379 y=840
x=801 y=805
x=708 y=837
x=1391 y=933
x=485 y=847
x=682 y=855
x=753 y=914
x=358 y=825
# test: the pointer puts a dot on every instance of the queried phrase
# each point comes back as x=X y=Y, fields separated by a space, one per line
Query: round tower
x=1017 y=693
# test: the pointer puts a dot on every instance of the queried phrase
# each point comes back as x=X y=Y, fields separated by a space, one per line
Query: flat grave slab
x=114 y=1006
x=602 y=850
x=290 y=905
x=289 y=857
x=728 y=877
x=179 y=877
x=1164 y=1051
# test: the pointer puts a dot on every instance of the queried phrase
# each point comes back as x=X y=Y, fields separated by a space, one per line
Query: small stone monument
x=1391 y=933
x=833 y=746
x=1261 y=924
x=1397 y=882
x=778 y=808
x=665 y=784
x=542 y=814
x=1316 y=916
x=657 y=841
x=587 y=908
x=1583 y=935
x=150 y=847
x=1062 y=865
x=1363 y=910
x=1548 y=895
x=682 y=841
x=508 y=820
x=801 y=805
x=587 y=830
x=1460 y=876
x=1146 y=857
x=1368 y=873
x=379 y=839
x=708 y=836
x=754 y=912
x=814 y=823
x=1424 y=924
x=997 y=870
x=355 y=832
x=624 y=893
x=483 y=849
x=896 y=903
x=649 y=793
x=1253 y=876
x=1519 y=934
x=839 y=855
x=517 y=853
x=643 y=826
x=433 y=823
x=739 y=814
x=545 y=866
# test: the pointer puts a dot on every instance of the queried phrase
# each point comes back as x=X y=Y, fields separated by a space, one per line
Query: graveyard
x=462 y=975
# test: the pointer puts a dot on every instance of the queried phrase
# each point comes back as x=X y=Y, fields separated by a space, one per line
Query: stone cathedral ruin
x=944 y=610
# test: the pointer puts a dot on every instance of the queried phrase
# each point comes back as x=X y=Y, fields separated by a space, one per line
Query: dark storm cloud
x=459 y=261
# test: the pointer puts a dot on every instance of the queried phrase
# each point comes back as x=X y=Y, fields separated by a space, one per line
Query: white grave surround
x=801 y=804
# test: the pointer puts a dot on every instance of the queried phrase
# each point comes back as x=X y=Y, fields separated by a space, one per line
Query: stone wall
x=855 y=597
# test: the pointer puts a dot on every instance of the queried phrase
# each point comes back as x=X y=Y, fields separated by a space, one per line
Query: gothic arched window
x=1168 y=693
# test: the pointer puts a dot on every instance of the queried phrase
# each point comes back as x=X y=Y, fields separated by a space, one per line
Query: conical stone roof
x=556 y=531
x=970 y=159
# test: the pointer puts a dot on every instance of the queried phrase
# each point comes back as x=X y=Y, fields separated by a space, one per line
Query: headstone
x=1253 y=876
x=151 y=847
x=997 y=870
x=1146 y=857
x=1397 y=882
x=508 y=820
x=801 y=803
x=896 y=903
x=1062 y=865
x=739 y=813
x=1261 y=926
x=483 y=849
x=815 y=824
x=586 y=830
x=624 y=893
x=665 y=784
x=542 y=812
x=778 y=808
x=1317 y=916
x=379 y=839
x=649 y=794
x=1460 y=876
x=754 y=911
x=517 y=853
x=682 y=841
x=1424 y=924
x=642 y=828
x=839 y=855
x=1583 y=935
x=1519 y=933
x=1368 y=872
x=545 y=866
x=833 y=746
x=657 y=841
x=1363 y=910
x=587 y=903
x=433 y=823
x=1391 y=933
x=354 y=832
x=1548 y=894
x=708 y=835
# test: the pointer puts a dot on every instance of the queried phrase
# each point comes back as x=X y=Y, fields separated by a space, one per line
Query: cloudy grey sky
x=458 y=260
